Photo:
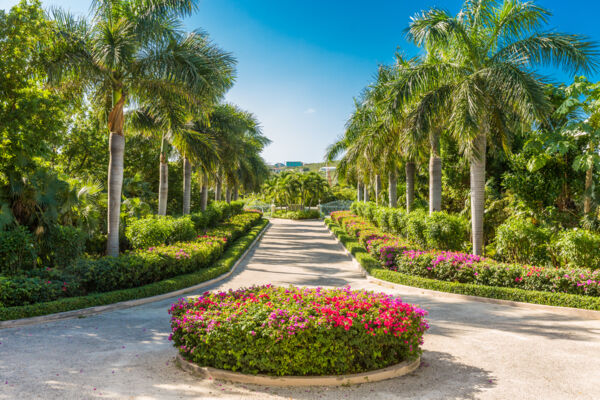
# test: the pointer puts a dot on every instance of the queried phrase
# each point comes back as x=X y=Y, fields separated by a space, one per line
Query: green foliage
x=519 y=240
x=17 y=250
x=297 y=190
x=156 y=230
x=223 y=265
x=577 y=248
x=446 y=232
x=61 y=245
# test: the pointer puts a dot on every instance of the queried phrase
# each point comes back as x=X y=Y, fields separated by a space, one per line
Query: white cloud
x=310 y=111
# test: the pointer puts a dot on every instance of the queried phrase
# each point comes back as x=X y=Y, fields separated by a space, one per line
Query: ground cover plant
x=306 y=214
x=396 y=253
x=297 y=331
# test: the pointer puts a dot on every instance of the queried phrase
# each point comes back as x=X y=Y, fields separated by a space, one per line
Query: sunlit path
x=473 y=350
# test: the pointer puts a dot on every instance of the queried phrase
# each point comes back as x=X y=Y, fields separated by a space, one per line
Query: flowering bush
x=297 y=331
x=396 y=254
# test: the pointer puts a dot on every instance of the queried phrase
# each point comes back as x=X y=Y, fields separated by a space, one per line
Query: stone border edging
x=394 y=371
x=569 y=311
x=129 y=303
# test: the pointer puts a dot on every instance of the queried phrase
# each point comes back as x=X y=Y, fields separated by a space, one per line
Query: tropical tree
x=481 y=73
x=131 y=51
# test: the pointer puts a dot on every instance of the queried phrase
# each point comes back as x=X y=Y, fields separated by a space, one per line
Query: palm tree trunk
x=218 y=189
x=359 y=191
x=366 y=192
x=228 y=194
x=377 y=188
x=115 y=173
x=236 y=192
x=392 y=192
x=204 y=192
x=163 y=185
x=187 y=185
x=478 y=192
x=435 y=174
x=410 y=185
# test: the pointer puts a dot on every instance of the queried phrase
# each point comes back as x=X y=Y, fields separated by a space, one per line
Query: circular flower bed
x=297 y=331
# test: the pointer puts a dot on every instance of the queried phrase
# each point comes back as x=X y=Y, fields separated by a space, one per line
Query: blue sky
x=301 y=62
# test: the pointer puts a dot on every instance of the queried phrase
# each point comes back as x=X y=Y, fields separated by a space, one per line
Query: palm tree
x=132 y=52
x=481 y=73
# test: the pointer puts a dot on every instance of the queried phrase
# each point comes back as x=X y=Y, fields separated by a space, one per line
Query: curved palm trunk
x=359 y=191
x=115 y=174
x=435 y=174
x=187 y=185
x=392 y=192
x=477 y=168
x=410 y=184
x=204 y=192
x=377 y=188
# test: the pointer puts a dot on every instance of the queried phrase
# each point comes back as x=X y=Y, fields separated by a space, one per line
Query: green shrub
x=297 y=331
x=297 y=215
x=157 y=230
x=577 y=248
x=519 y=240
x=415 y=226
x=17 y=250
x=61 y=245
x=446 y=232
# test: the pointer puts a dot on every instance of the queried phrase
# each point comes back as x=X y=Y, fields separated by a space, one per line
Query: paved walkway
x=473 y=350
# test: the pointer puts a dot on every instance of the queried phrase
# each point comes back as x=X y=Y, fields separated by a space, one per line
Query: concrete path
x=473 y=350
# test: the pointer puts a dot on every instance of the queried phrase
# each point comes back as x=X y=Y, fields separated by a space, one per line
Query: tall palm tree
x=482 y=75
x=130 y=52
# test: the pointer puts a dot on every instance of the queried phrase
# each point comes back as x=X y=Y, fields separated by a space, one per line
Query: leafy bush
x=157 y=230
x=297 y=331
x=416 y=224
x=446 y=232
x=577 y=248
x=519 y=240
x=216 y=212
x=17 y=251
x=62 y=245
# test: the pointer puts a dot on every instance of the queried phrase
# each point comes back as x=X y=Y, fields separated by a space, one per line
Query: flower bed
x=133 y=269
x=297 y=331
x=396 y=254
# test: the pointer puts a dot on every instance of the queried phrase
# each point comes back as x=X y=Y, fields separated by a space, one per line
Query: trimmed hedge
x=297 y=215
x=223 y=265
x=373 y=267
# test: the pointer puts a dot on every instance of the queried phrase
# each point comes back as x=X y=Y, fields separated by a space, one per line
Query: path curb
x=394 y=371
x=84 y=312
x=568 y=311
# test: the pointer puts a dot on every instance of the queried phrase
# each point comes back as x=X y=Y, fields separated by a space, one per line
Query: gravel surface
x=473 y=350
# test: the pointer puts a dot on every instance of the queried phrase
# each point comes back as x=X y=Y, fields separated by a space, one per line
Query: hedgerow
x=223 y=265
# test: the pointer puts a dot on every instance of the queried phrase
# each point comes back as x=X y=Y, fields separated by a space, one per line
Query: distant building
x=279 y=165
x=294 y=163
x=327 y=169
